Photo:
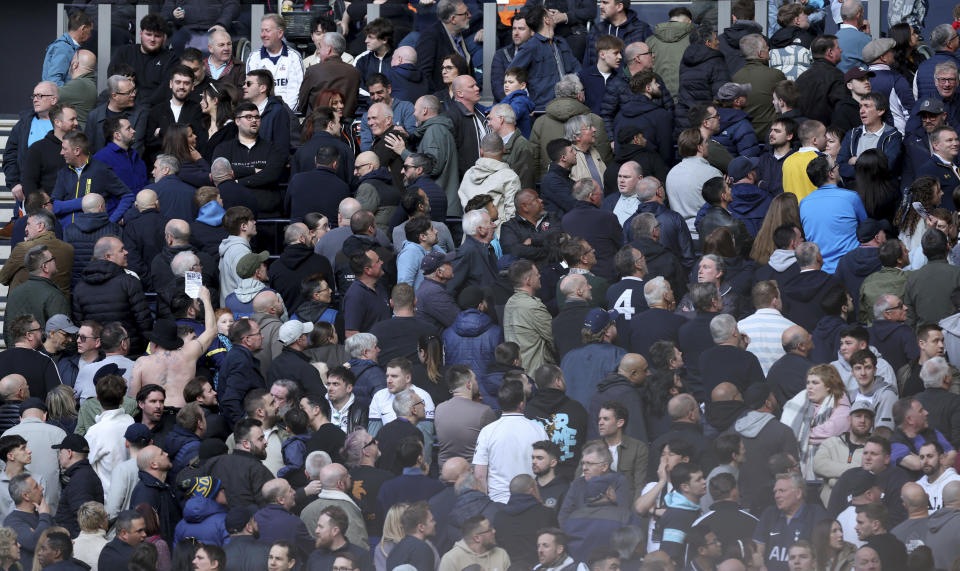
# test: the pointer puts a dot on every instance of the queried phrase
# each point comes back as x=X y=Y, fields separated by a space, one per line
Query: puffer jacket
x=702 y=72
x=182 y=446
x=370 y=379
x=493 y=177
x=750 y=205
x=107 y=293
x=654 y=121
x=539 y=55
x=490 y=382
x=633 y=30
x=790 y=51
x=87 y=228
x=471 y=340
x=729 y=43
x=523 y=107
x=709 y=218
x=668 y=43
x=550 y=126
x=736 y=133
x=297 y=262
x=203 y=520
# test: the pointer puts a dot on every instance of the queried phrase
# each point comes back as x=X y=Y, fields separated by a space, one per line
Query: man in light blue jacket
x=56 y=64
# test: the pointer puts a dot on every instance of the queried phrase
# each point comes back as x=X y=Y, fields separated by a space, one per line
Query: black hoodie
x=297 y=261
x=662 y=262
x=729 y=42
x=802 y=295
x=565 y=421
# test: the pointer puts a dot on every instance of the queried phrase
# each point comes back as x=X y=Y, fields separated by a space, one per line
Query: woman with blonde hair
x=62 y=408
x=9 y=550
x=93 y=520
x=784 y=209
x=392 y=534
x=819 y=412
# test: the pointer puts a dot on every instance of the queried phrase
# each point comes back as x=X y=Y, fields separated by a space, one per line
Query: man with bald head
x=685 y=425
x=153 y=489
x=297 y=262
x=174 y=239
x=337 y=483
x=442 y=503
x=625 y=385
x=81 y=92
x=625 y=202
x=912 y=530
x=275 y=520
x=105 y=292
x=408 y=83
x=31 y=127
x=89 y=226
x=788 y=375
x=267 y=311
x=577 y=301
x=469 y=123
x=380 y=120
x=13 y=391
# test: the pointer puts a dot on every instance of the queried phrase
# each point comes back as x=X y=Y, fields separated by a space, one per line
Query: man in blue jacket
x=873 y=133
x=600 y=228
x=240 y=372
x=56 y=63
x=545 y=57
x=502 y=60
x=84 y=174
x=120 y=155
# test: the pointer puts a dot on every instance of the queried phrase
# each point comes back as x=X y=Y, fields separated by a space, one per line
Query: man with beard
x=242 y=472
x=838 y=454
x=936 y=474
x=178 y=110
x=257 y=163
x=783 y=131
x=200 y=390
x=150 y=60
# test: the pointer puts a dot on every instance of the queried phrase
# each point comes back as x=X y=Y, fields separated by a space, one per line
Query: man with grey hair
x=363 y=349
x=647 y=232
x=550 y=126
x=802 y=293
x=442 y=38
x=220 y=65
x=762 y=78
x=942 y=404
x=674 y=233
x=890 y=334
x=232 y=193
x=91 y=224
x=476 y=263
x=728 y=360
x=175 y=196
x=944 y=42
x=39 y=296
x=517 y=150
x=491 y=176
x=789 y=520
x=598 y=227
x=580 y=131
x=337 y=485
x=286 y=65
x=387 y=139
x=39 y=230
x=176 y=240
x=296 y=263
x=331 y=73
x=657 y=323
x=122 y=100
x=853 y=35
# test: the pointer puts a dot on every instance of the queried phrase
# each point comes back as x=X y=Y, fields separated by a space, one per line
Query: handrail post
x=103 y=44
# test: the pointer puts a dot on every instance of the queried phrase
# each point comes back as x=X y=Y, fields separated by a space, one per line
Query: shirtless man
x=172 y=362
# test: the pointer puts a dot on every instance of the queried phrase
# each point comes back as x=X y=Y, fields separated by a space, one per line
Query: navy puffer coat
x=471 y=340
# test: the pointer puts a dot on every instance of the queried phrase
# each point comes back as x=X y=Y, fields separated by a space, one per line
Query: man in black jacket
x=152 y=489
x=326 y=132
x=244 y=552
x=43 y=158
x=161 y=115
x=292 y=363
x=149 y=59
x=520 y=521
x=442 y=39
x=476 y=263
x=242 y=471
x=562 y=417
x=297 y=262
x=822 y=87
x=672 y=230
x=302 y=196
x=131 y=532
x=257 y=163
x=176 y=235
x=523 y=235
x=87 y=228
x=83 y=484
x=661 y=261
x=144 y=239
x=788 y=375
x=469 y=123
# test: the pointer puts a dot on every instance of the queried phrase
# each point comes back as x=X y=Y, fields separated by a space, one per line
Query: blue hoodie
x=523 y=106
x=203 y=520
x=750 y=204
x=211 y=214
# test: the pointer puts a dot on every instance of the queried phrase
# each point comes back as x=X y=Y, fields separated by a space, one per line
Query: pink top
x=837 y=424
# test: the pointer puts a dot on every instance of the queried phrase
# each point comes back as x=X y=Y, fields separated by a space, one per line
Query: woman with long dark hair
x=216 y=103
x=906 y=57
x=831 y=552
x=876 y=186
x=181 y=142
x=428 y=373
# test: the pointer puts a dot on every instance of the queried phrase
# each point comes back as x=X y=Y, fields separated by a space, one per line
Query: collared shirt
x=626 y=207
x=341 y=417
x=869 y=140
x=777 y=533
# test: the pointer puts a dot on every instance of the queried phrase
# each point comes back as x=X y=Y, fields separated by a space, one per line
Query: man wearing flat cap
x=879 y=56
x=83 y=485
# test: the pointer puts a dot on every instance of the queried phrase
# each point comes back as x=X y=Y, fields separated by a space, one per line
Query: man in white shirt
x=505 y=446
x=936 y=474
x=625 y=203
x=399 y=378
x=766 y=326
x=279 y=59
x=106 y=440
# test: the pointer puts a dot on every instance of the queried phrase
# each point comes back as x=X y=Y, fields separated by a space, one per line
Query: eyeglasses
x=257 y=334
x=461 y=14
x=946 y=79
x=405 y=167
x=416 y=404
x=47 y=261
x=643 y=54
x=41 y=329
x=896 y=307
x=343 y=568
x=488 y=530
x=585 y=463
x=41 y=95
x=373 y=442
x=84 y=338
x=714 y=116
x=48 y=202
x=359 y=166
x=253 y=118
x=448 y=67
x=125 y=93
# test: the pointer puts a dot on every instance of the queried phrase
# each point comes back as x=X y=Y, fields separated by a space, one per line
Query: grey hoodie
x=885 y=373
x=232 y=248
x=782 y=259
x=436 y=138
x=750 y=424
x=943 y=531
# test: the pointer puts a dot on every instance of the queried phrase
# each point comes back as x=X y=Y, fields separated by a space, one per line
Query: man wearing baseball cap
x=736 y=130
x=292 y=363
x=252 y=271
x=83 y=485
x=926 y=115
x=59 y=333
x=749 y=203
x=125 y=475
x=846 y=112
x=244 y=547
x=879 y=56
x=586 y=366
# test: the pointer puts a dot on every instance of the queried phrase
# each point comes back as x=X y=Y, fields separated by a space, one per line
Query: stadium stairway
x=6 y=212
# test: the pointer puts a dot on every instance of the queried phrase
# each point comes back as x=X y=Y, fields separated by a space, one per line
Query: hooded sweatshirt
x=669 y=41
x=493 y=177
x=750 y=205
x=563 y=418
x=885 y=372
x=231 y=250
x=943 y=531
x=854 y=267
x=729 y=43
x=204 y=520
x=802 y=295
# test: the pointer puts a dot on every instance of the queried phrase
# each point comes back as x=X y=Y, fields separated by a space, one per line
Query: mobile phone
x=920 y=210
